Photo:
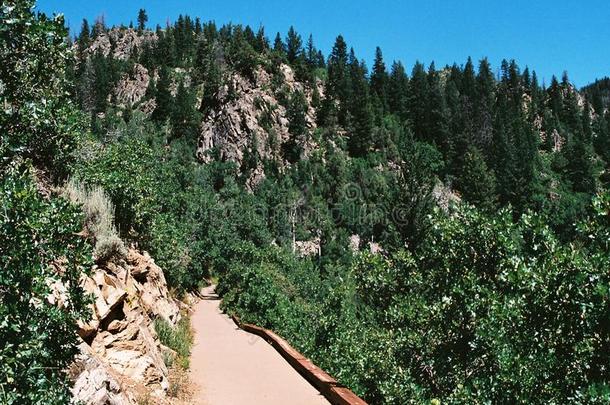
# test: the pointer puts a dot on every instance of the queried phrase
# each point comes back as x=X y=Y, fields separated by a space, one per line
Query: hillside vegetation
x=438 y=235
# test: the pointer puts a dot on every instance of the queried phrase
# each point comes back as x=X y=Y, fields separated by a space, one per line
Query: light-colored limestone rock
x=354 y=243
x=126 y=40
x=308 y=248
x=95 y=383
x=120 y=343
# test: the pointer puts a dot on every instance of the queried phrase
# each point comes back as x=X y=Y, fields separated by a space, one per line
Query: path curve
x=233 y=367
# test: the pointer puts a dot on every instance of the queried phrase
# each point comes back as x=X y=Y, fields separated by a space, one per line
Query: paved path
x=233 y=367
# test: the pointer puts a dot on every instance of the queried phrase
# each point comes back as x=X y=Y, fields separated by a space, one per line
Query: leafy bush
x=125 y=171
x=38 y=120
x=485 y=310
x=41 y=254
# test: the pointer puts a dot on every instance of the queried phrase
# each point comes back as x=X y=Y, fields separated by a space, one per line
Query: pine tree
x=294 y=46
x=459 y=122
x=184 y=117
x=379 y=79
x=468 y=86
x=601 y=127
x=437 y=114
x=580 y=169
x=527 y=159
x=570 y=112
x=484 y=107
x=321 y=62
x=99 y=27
x=311 y=53
x=360 y=109
x=503 y=152
x=163 y=97
x=417 y=100
x=337 y=70
x=210 y=32
x=536 y=104
x=262 y=43
x=515 y=148
x=211 y=75
x=250 y=36
x=578 y=150
x=142 y=20
x=84 y=39
x=296 y=113
x=278 y=46
x=555 y=97
x=166 y=48
x=338 y=87
x=101 y=80
x=198 y=27
x=527 y=79
x=398 y=88
x=476 y=182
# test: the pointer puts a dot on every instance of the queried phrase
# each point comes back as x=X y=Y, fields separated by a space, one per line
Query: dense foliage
x=497 y=297
x=459 y=219
x=42 y=257
x=37 y=119
x=42 y=252
x=485 y=310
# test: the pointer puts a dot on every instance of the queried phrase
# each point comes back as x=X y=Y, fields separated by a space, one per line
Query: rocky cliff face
x=121 y=358
x=131 y=89
x=250 y=119
x=120 y=42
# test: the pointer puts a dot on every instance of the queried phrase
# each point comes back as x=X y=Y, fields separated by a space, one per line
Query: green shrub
x=125 y=171
x=37 y=120
x=179 y=338
x=40 y=245
x=484 y=310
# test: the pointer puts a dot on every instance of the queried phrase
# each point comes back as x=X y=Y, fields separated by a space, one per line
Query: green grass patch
x=179 y=338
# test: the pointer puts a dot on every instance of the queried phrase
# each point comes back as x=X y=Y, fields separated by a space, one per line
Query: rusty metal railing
x=330 y=388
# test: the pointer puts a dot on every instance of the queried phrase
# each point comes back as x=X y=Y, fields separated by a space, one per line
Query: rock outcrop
x=121 y=42
x=250 y=119
x=132 y=87
x=121 y=354
x=308 y=248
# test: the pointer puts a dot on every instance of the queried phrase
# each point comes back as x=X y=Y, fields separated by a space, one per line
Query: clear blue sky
x=549 y=36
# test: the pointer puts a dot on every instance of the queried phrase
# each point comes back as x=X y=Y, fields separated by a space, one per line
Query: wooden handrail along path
x=330 y=388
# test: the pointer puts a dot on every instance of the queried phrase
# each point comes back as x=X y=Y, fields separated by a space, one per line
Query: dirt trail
x=233 y=367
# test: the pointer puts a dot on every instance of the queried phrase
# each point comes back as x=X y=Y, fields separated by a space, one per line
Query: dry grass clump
x=180 y=384
x=99 y=219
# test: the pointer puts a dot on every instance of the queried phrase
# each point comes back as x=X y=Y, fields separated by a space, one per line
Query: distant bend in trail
x=230 y=366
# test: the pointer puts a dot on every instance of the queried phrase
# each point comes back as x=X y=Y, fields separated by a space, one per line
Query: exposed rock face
x=120 y=347
x=354 y=243
x=122 y=42
x=250 y=118
x=308 y=248
x=96 y=382
x=132 y=87
x=373 y=247
x=444 y=196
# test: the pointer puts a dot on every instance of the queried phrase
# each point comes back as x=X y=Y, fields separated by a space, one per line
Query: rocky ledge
x=121 y=358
